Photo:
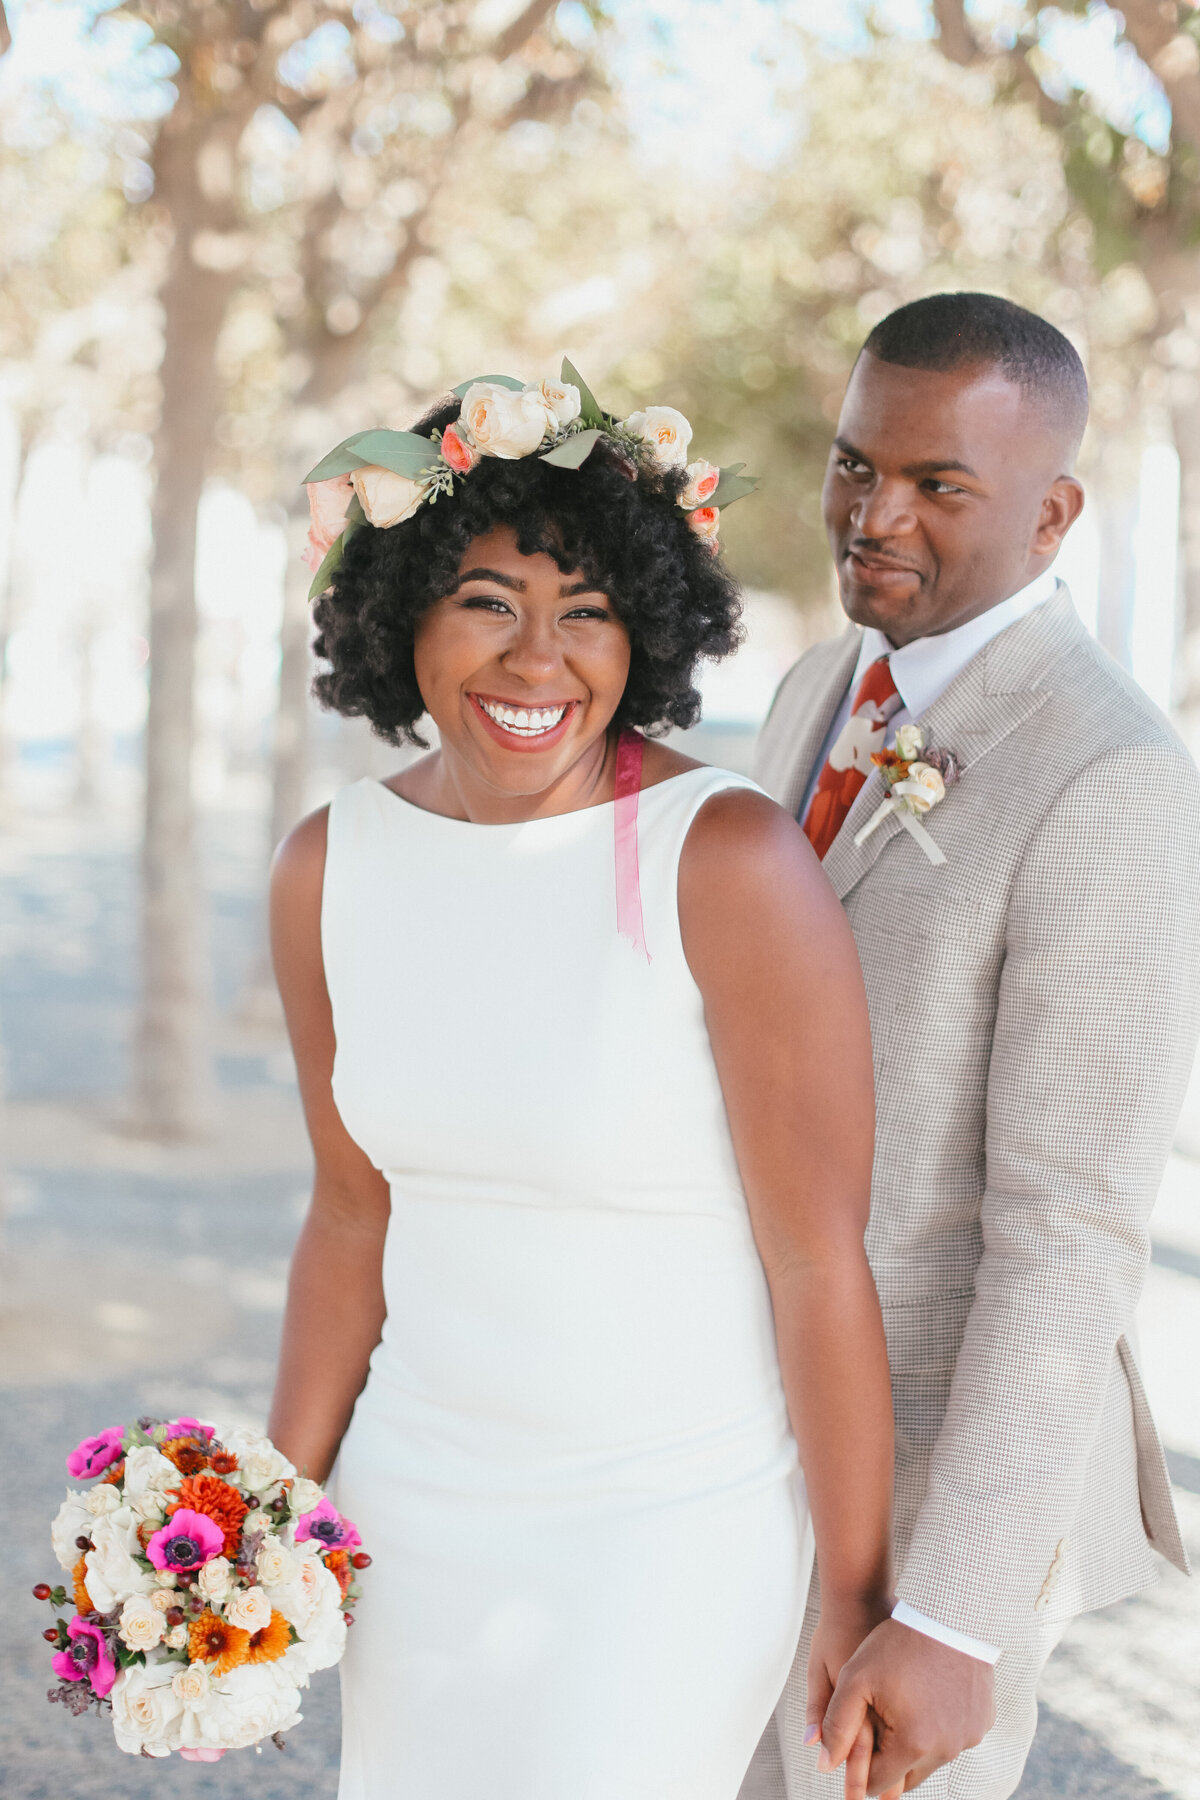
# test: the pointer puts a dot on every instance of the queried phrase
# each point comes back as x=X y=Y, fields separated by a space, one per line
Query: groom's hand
x=929 y=1704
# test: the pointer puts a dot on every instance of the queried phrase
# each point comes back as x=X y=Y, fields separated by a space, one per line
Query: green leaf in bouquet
x=574 y=451
x=504 y=381
x=589 y=406
x=329 y=568
x=732 y=486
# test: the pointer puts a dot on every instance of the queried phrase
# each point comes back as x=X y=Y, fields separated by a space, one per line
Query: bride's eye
x=487 y=603
x=588 y=612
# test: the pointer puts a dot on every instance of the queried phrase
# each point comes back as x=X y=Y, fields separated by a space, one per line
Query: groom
x=1031 y=958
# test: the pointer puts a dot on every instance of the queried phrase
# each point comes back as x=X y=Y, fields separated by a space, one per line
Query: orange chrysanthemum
x=888 y=759
x=115 y=1472
x=338 y=1561
x=214 y=1640
x=83 y=1600
x=209 y=1495
x=188 y=1456
x=223 y=1462
x=269 y=1644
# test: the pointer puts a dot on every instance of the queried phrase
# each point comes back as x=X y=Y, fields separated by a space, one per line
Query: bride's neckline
x=574 y=812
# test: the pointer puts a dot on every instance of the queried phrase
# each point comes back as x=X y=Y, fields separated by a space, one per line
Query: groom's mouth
x=874 y=571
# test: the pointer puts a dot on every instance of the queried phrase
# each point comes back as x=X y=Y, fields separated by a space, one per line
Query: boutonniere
x=916 y=779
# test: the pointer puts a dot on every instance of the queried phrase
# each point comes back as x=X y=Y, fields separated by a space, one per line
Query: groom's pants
x=992 y=1771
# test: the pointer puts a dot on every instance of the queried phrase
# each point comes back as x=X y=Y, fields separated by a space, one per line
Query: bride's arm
x=774 y=958
x=335 y=1306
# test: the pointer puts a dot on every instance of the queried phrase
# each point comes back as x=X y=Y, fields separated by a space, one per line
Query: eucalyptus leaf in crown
x=382 y=478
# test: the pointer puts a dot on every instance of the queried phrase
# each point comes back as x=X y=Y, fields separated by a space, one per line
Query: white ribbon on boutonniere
x=916 y=778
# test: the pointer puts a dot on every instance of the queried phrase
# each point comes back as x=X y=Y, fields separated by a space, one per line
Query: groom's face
x=946 y=491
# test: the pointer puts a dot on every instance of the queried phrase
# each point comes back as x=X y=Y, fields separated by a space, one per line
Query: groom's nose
x=884 y=510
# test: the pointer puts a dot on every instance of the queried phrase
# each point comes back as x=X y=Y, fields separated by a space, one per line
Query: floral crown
x=382 y=477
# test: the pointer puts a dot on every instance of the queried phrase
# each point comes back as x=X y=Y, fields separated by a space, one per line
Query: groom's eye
x=944 y=487
x=850 y=465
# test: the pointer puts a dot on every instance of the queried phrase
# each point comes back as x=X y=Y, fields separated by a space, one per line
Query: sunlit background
x=232 y=231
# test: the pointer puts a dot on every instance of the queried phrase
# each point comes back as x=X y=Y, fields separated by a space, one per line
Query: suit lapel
x=798 y=754
x=1009 y=680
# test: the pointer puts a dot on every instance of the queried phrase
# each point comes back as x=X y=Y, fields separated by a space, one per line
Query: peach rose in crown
x=461 y=455
x=328 y=503
x=705 y=521
x=702 y=483
x=665 y=431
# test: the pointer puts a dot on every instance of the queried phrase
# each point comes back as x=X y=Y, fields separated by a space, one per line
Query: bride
x=581 y=1306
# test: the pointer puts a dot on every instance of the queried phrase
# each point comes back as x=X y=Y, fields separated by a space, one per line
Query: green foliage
x=574 y=451
x=589 y=406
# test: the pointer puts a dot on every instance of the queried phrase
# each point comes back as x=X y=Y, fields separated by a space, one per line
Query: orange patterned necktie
x=849 y=761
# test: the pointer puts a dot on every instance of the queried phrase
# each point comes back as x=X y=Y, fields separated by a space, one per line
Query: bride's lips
x=512 y=740
x=880 y=571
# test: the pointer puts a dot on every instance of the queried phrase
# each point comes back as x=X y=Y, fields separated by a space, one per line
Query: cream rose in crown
x=208 y=1583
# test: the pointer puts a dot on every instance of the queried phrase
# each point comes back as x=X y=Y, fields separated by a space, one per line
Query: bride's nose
x=534 y=653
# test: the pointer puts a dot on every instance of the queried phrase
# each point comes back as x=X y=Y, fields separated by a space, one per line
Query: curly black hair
x=622 y=528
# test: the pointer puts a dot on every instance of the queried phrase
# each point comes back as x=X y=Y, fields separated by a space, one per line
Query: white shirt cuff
x=904 y=1614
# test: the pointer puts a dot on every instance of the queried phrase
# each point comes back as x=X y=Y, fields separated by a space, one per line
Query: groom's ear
x=1062 y=504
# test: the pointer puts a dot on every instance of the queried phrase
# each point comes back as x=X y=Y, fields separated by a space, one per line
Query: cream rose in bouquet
x=208 y=1582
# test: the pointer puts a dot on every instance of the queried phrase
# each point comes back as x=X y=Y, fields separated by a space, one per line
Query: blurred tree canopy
x=877 y=204
x=314 y=215
x=1139 y=189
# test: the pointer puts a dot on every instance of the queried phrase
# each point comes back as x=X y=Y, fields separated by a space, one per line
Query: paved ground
x=136 y=1279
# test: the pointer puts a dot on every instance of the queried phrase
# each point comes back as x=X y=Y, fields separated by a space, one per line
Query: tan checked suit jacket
x=1034 y=1006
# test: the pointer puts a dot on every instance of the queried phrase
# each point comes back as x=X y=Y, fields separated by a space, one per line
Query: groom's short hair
x=952 y=331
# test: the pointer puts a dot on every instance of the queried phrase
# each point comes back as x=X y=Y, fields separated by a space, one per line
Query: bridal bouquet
x=209 y=1582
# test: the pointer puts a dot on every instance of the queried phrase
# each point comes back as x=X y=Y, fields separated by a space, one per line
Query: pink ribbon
x=630 y=746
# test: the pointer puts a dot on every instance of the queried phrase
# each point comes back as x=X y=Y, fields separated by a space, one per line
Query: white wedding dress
x=571 y=1462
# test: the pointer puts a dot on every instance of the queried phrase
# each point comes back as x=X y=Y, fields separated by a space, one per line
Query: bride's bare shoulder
x=298 y=865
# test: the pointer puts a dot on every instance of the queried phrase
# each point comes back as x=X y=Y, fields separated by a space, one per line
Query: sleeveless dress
x=571 y=1461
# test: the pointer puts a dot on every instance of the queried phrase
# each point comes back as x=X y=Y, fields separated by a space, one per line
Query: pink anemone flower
x=202 y=1755
x=95 y=1454
x=189 y=1428
x=186 y=1541
x=87 y=1659
x=326 y=1526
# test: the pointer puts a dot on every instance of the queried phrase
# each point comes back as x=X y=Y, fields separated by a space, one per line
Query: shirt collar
x=924 y=669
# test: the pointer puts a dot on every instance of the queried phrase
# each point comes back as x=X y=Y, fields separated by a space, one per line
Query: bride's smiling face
x=521 y=668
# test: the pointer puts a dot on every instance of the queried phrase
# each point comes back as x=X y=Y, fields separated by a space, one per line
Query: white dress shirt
x=922 y=671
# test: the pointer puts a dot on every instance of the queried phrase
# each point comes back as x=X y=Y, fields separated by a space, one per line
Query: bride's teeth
x=528 y=722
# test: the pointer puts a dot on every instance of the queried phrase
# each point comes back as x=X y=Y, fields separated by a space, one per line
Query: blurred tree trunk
x=290 y=763
x=172 y=1078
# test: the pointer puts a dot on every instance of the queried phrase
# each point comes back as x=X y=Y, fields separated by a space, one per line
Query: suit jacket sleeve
x=1095 y=1029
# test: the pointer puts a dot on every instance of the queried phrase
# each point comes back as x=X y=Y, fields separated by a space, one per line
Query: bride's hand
x=841 y=1628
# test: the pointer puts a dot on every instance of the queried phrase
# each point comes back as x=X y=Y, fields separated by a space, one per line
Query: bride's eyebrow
x=508 y=581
